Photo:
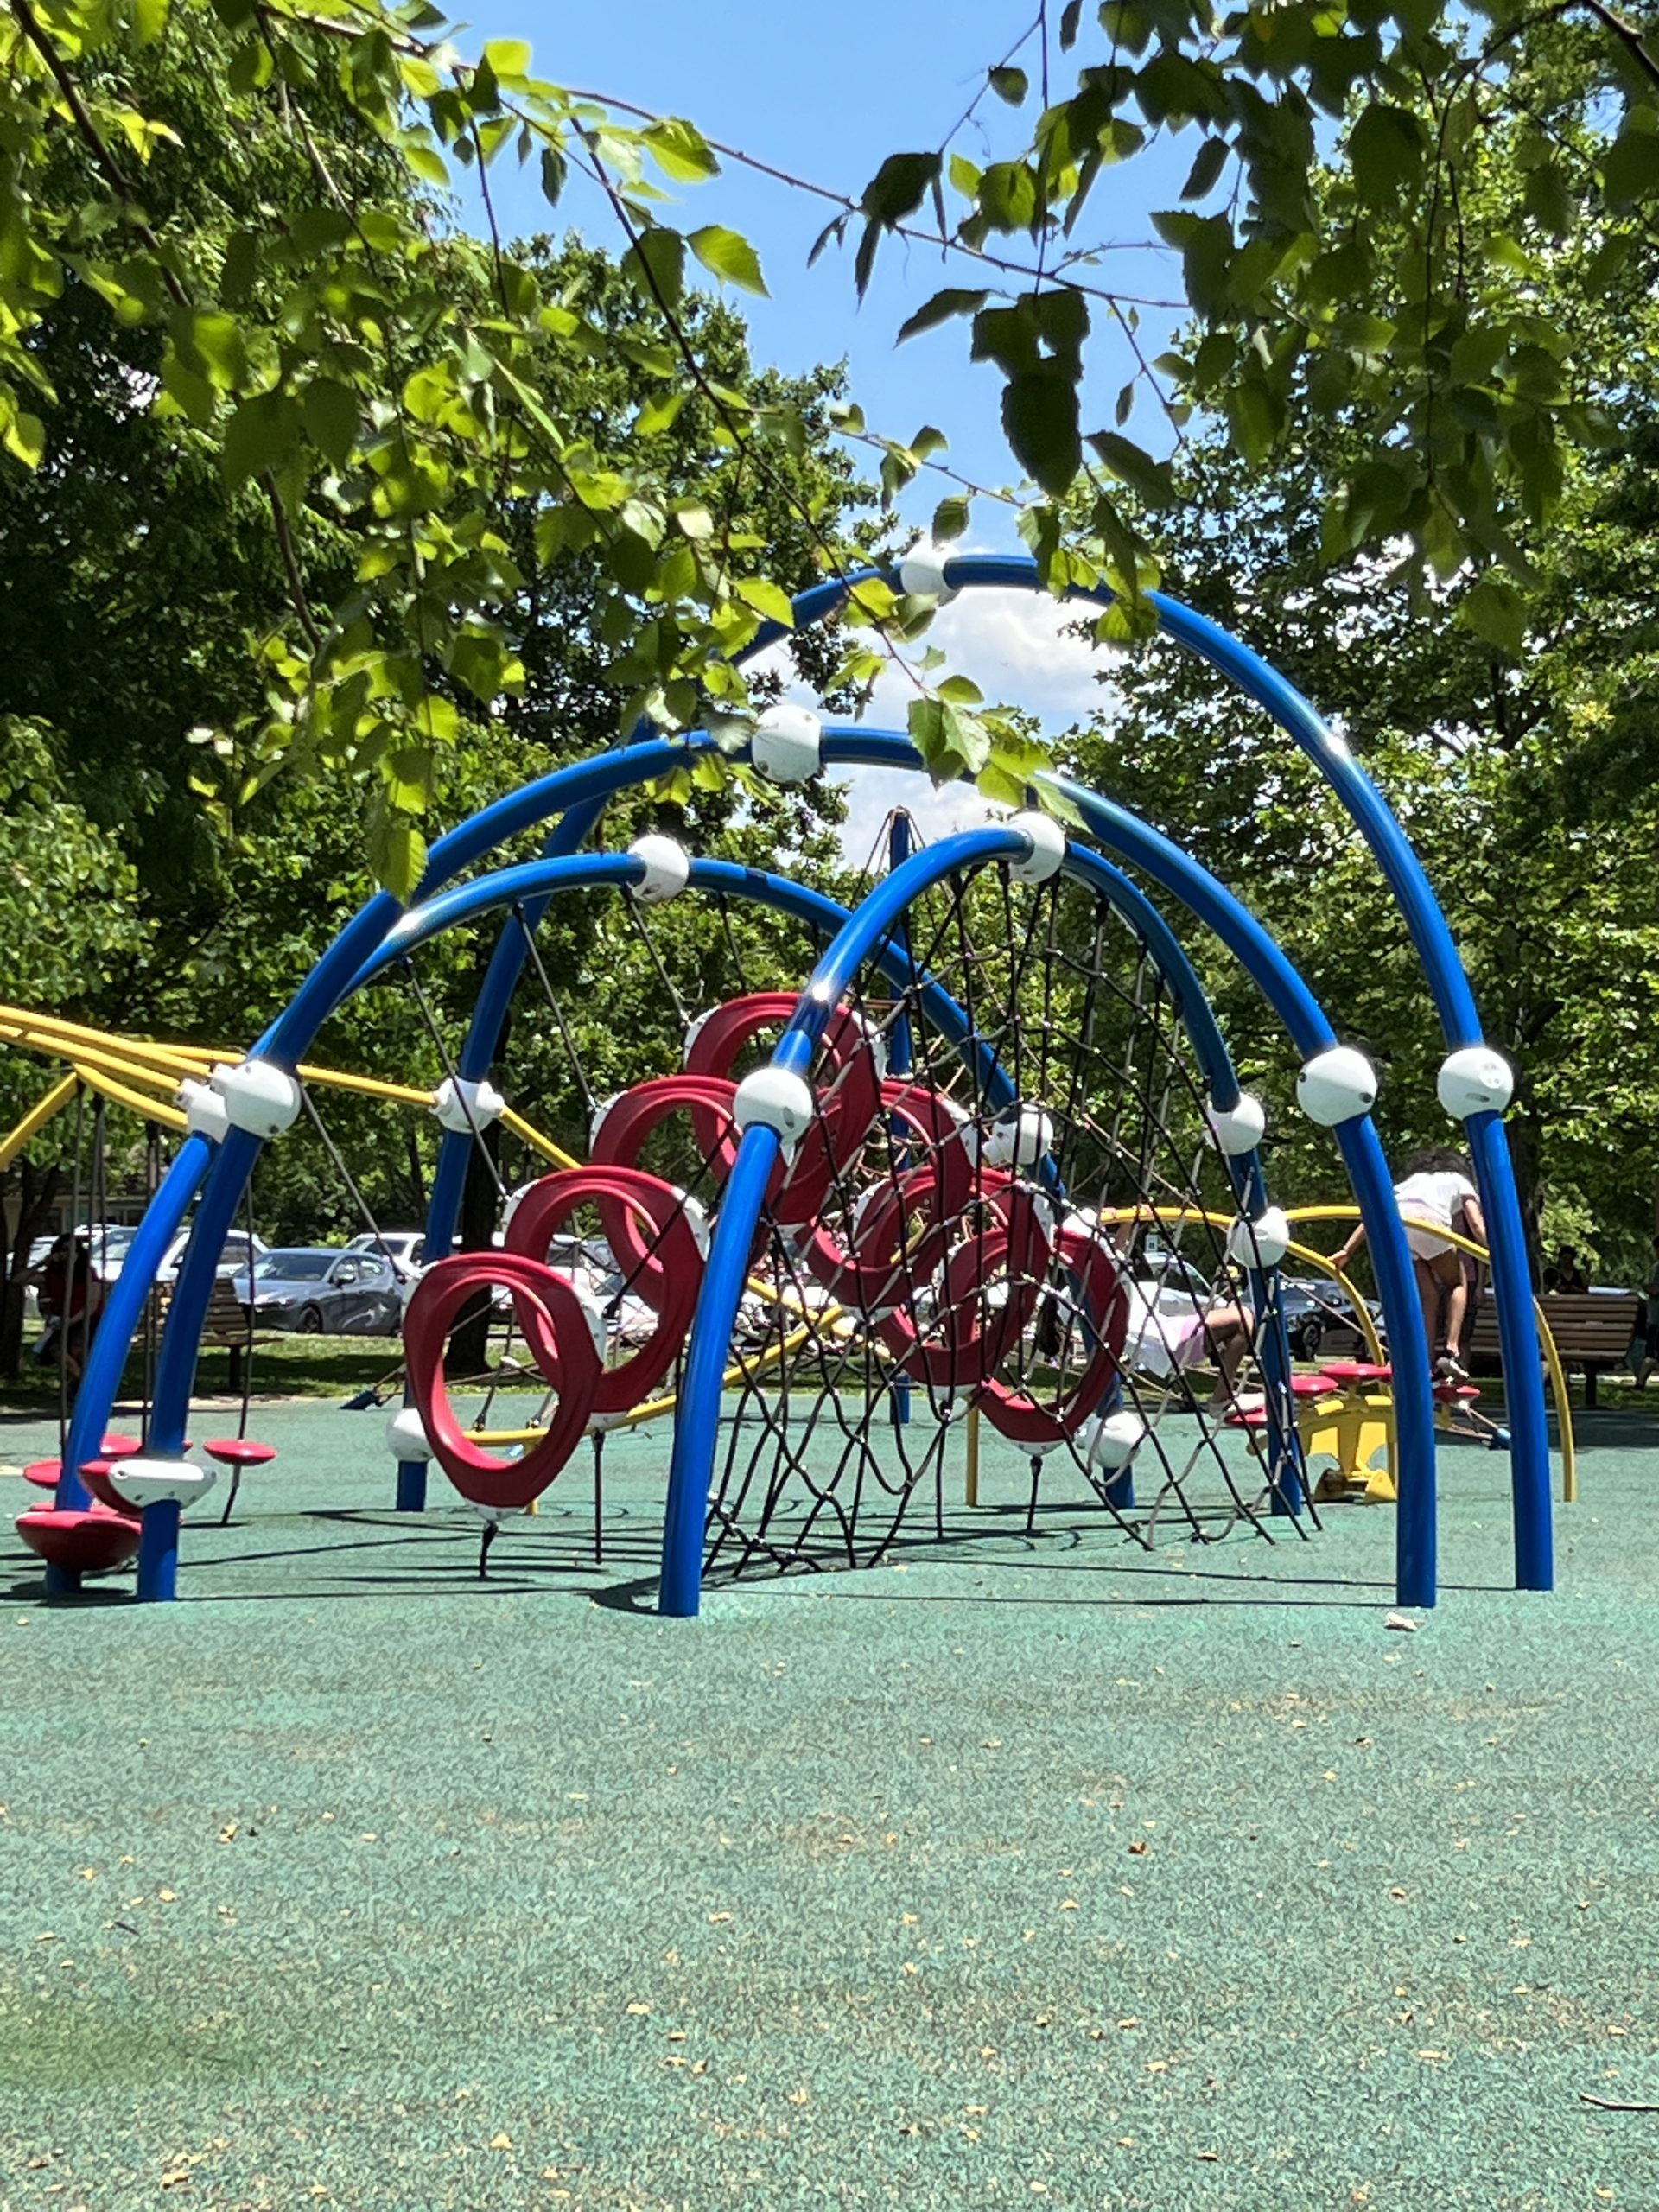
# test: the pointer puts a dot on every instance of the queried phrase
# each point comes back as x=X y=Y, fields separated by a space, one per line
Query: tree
x=366 y=376
x=1515 y=738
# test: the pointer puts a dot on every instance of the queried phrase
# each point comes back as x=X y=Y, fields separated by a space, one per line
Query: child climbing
x=1435 y=1195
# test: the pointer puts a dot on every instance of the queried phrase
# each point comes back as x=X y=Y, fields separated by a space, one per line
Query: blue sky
x=826 y=93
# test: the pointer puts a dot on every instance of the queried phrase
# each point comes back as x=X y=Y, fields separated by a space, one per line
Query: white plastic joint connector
x=788 y=743
x=1018 y=1138
x=259 y=1097
x=1261 y=1242
x=204 y=1109
x=461 y=1105
x=776 y=1100
x=406 y=1433
x=1236 y=1129
x=1476 y=1080
x=142 y=1482
x=1336 y=1086
x=597 y=1123
x=921 y=572
x=1046 y=841
x=1111 y=1440
x=667 y=865
x=696 y=1219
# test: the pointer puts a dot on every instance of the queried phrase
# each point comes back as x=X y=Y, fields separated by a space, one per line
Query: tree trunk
x=38 y=1190
x=479 y=1204
x=1525 y=1134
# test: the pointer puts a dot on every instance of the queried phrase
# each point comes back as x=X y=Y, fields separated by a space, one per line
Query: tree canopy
x=377 y=385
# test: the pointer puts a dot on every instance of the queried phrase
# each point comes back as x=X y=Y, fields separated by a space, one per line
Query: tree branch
x=1628 y=36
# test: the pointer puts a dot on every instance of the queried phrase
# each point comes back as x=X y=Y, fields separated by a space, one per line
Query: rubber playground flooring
x=1023 y=1871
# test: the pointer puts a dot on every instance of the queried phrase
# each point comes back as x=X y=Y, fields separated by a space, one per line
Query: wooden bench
x=1593 y=1331
x=228 y=1326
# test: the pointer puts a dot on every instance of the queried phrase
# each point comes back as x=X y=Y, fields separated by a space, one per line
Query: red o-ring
x=1103 y=1297
x=669 y=1269
x=848 y=1100
x=568 y=1360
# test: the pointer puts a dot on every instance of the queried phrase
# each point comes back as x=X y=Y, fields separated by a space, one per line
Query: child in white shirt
x=1436 y=1194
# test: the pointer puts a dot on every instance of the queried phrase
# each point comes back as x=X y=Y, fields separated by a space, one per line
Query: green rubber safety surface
x=1029 y=1870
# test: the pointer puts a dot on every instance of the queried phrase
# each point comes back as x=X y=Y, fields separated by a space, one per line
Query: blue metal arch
x=1436 y=948
x=692 y=1464
x=579 y=793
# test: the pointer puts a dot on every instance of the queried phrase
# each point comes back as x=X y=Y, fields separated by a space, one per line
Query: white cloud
x=1016 y=647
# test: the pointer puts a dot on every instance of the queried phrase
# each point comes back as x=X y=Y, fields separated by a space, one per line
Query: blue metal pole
x=158 y=1552
x=900 y=1056
x=123 y=1312
x=1284 y=989
x=696 y=1418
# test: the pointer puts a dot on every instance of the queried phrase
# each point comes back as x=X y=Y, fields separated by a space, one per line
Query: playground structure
x=903 y=1200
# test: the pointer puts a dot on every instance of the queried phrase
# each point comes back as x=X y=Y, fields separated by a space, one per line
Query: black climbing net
x=1016 y=1297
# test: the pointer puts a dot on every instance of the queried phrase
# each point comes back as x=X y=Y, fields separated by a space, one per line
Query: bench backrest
x=1586 y=1324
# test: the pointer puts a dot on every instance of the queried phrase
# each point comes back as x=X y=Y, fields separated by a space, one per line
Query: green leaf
x=940 y=308
x=397 y=849
x=766 y=599
x=1629 y=169
x=1009 y=85
x=148 y=20
x=730 y=256
x=507 y=57
x=1040 y=416
x=210 y=344
x=995 y=783
x=949 y=519
x=1549 y=199
x=24 y=438
x=657 y=264
x=263 y=432
x=1132 y=465
x=660 y=415
x=1008 y=196
x=1497 y=611
x=1385 y=150
x=331 y=418
x=682 y=151
x=960 y=691
x=1205 y=171
x=898 y=186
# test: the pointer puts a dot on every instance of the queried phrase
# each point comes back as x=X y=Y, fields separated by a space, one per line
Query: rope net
x=998 y=1260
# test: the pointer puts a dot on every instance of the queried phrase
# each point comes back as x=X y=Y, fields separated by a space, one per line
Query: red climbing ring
x=849 y=1093
x=1100 y=1302
x=628 y=1120
x=973 y=1331
x=566 y=1354
x=669 y=1267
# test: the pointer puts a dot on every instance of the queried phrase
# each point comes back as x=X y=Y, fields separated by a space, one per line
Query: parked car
x=404 y=1248
x=233 y=1254
x=317 y=1290
x=1320 y=1321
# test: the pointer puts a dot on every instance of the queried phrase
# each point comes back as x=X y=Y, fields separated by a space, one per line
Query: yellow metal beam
x=35 y=1120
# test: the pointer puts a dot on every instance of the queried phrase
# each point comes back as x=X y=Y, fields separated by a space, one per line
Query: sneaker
x=1452 y=1367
